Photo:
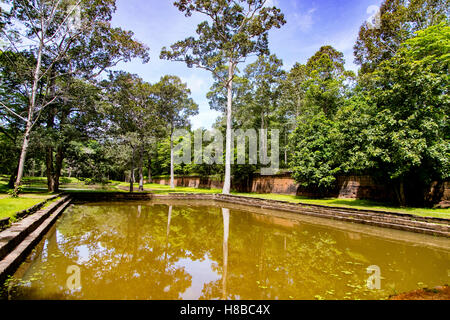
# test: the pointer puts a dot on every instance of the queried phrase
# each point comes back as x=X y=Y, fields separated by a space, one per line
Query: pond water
x=208 y=250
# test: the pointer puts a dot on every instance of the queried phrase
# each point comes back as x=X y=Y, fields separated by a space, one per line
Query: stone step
x=18 y=231
x=14 y=258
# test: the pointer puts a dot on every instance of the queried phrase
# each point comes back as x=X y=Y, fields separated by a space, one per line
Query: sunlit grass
x=164 y=189
x=353 y=203
x=35 y=187
x=333 y=202
x=10 y=206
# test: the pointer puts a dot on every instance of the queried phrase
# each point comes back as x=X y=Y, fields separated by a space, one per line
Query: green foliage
x=313 y=159
x=14 y=193
x=236 y=31
x=172 y=99
x=395 y=129
x=412 y=107
x=327 y=80
x=398 y=21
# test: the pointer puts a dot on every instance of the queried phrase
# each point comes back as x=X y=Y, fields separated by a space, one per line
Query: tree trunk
x=227 y=182
x=23 y=155
x=149 y=168
x=58 y=168
x=132 y=171
x=400 y=192
x=169 y=218
x=12 y=178
x=50 y=170
x=29 y=125
x=285 y=149
x=141 y=171
x=33 y=169
x=226 y=232
x=172 y=171
x=263 y=141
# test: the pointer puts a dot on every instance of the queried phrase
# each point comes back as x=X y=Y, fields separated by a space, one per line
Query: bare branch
x=64 y=22
x=14 y=113
x=34 y=27
x=41 y=109
x=7 y=134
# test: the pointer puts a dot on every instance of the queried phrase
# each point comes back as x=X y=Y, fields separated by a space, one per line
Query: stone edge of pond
x=393 y=220
x=4 y=223
x=385 y=219
x=17 y=241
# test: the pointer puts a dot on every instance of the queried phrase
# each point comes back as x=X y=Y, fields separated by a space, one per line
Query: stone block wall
x=347 y=187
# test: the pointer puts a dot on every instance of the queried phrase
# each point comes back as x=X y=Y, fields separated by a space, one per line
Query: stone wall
x=347 y=187
x=192 y=182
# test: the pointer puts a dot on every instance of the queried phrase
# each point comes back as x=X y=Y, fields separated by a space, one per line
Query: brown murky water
x=202 y=250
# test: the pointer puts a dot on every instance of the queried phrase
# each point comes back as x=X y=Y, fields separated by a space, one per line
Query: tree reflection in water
x=157 y=251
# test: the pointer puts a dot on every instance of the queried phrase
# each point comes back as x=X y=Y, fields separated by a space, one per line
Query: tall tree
x=264 y=78
x=73 y=118
x=327 y=80
x=52 y=29
x=172 y=98
x=234 y=31
x=323 y=83
x=411 y=133
x=133 y=116
x=398 y=20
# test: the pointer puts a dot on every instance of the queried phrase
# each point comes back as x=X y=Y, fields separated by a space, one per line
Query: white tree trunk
x=226 y=232
x=169 y=218
x=29 y=125
x=227 y=182
x=132 y=171
x=172 y=171
x=141 y=168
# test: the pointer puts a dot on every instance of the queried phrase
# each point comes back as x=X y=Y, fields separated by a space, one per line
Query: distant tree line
x=63 y=113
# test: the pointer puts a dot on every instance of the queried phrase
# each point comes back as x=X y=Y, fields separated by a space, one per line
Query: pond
x=212 y=250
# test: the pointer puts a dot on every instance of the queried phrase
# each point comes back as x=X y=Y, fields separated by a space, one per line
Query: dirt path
x=438 y=293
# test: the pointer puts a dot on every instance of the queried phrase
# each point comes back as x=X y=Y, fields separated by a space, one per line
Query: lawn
x=34 y=194
x=356 y=204
x=334 y=202
x=10 y=206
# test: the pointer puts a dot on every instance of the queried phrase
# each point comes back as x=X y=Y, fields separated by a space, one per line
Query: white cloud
x=205 y=119
x=272 y=3
x=304 y=21
x=5 y=6
x=374 y=20
x=196 y=83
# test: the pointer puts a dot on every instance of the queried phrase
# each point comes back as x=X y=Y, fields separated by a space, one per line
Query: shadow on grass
x=361 y=203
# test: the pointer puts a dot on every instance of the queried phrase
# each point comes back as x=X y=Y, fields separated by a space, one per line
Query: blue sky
x=310 y=25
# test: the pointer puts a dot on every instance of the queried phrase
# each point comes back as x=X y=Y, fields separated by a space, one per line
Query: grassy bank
x=10 y=206
x=333 y=202
x=35 y=192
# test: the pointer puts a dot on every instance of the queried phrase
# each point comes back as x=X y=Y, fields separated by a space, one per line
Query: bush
x=89 y=181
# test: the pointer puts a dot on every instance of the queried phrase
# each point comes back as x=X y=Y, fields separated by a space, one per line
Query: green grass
x=164 y=189
x=334 y=202
x=33 y=194
x=10 y=206
x=36 y=186
x=353 y=203
x=157 y=188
